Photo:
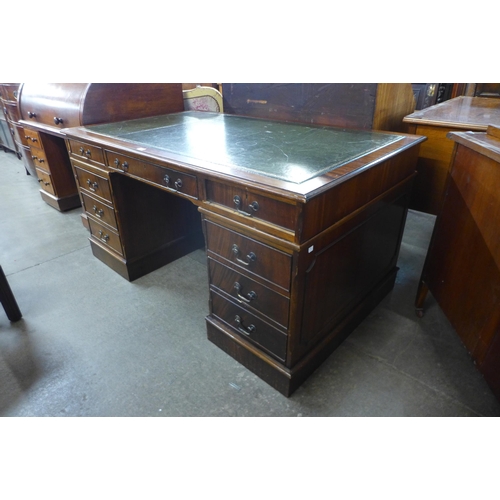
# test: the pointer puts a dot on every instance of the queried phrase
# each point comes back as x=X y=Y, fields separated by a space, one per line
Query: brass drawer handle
x=178 y=184
x=251 y=257
x=31 y=114
x=250 y=295
x=166 y=179
x=247 y=330
x=57 y=120
x=124 y=164
x=98 y=212
x=92 y=185
x=253 y=207
x=103 y=237
x=87 y=152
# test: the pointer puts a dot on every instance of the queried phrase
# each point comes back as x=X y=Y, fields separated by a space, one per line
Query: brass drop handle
x=250 y=295
x=247 y=330
x=124 y=164
x=178 y=184
x=92 y=185
x=85 y=152
x=31 y=114
x=166 y=179
x=57 y=120
x=253 y=207
x=103 y=237
x=98 y=212
x=251 y=257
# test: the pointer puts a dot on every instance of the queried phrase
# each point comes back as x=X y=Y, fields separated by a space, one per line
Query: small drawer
x=165 y=177
x=252 y=205
x=45 y=181
x=31 y=138
x=39 y=159
x=249 y=326
x=253 y=257
x=249 y=294
x=105 y=235
x=10 y=92
x=11 y=111
x=85 y=151
x=97 y=185
x=99 y=210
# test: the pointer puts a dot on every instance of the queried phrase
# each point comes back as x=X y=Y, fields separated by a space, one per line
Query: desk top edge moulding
x=291 y=217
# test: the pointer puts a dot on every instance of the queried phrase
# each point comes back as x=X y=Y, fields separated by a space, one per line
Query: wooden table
x=434 y=162
x=302 y=224
x=462 y=267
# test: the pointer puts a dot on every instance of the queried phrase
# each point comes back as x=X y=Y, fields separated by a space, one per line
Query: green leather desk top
x=290 y=152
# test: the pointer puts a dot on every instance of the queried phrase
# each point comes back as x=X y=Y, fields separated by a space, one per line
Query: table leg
x=8 y=300
x=420 y=299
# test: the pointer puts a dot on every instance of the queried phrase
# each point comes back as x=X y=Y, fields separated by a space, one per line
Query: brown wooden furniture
x=46 y=108
x=434 y=162
x=302 y=224
x=9 y=94
x=379 y=106
x=8 y=300
x=462 y=268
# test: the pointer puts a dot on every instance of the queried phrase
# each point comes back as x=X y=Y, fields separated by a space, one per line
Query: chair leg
x=8 y=300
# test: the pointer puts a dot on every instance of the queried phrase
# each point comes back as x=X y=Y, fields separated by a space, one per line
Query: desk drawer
x=249 y=294
x=100 y=210
x=39 y=158
x=97 y=185
x=11 y=111
x=31 y=138
x=105 y=236
x=249 y=326
x=253 y=257
x=45 y=181
x=252 y=205
x=84 y=151
x=165 y=177
x=9 y=92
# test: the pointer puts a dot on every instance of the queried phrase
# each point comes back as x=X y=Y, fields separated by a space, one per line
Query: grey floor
x=92 y=344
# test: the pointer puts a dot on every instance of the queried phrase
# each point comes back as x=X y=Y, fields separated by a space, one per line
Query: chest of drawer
x=31 y=138
x=85 y=152
x=99 y=210
x=252 y=205
x=95 y=184
x=247 y=254
x=165 y=177
x=105 y=236
x=249 y=294
x=45 y=181
x=249 y=326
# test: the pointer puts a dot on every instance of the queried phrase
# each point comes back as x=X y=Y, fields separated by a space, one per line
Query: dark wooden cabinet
x=302 y=224
x=379 y=106
x=462 y=268
x=46 y=108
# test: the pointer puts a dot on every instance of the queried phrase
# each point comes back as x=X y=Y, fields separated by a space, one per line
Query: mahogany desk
x=302 y=224
x=462 y=267
x=434 y=162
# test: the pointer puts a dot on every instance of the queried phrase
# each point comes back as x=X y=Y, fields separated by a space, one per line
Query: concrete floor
x=92 y=344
